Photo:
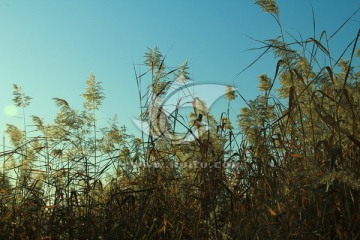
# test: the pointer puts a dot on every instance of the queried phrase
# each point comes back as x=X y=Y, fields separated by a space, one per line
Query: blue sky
x=51 y=47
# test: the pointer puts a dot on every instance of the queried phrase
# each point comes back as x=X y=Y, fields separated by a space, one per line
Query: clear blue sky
x=50 y=47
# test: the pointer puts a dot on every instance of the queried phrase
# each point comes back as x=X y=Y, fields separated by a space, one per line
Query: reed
x=295 y=154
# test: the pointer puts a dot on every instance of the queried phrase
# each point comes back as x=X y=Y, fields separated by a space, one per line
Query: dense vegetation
x=291 y=170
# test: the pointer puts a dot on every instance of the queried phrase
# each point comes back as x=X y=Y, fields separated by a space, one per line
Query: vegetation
x=290 y=171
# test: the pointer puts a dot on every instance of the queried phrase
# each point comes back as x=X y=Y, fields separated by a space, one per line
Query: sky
x=51 y=47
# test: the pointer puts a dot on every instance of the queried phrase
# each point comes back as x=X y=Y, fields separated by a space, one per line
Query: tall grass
x=295 y=155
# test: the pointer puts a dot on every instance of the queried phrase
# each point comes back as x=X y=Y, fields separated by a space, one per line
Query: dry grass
x=297 y=173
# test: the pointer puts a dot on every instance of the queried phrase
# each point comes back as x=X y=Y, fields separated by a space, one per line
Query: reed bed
x=289 y=168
